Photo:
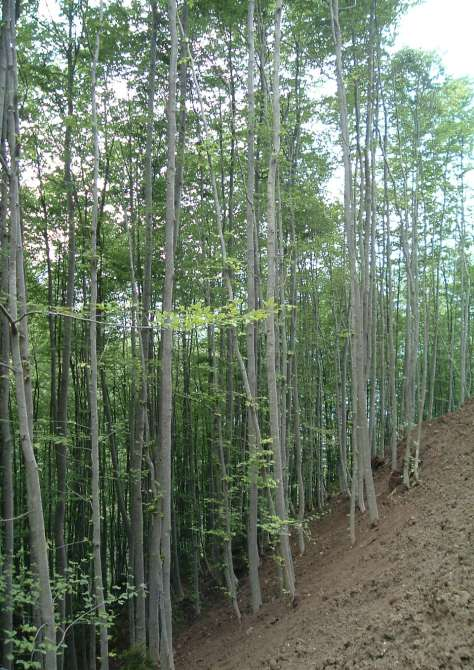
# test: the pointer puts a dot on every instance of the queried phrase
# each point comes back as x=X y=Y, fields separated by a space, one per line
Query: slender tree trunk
x=359 y=379
x=166 y=390
x=181 y=121
x=391 y=345
x=465 y=288
x=252 y=538
x=6 y=442
x=409 y=242
x=292 y=368
x=142 y=418
x=93 y=382
x=20 y=355
x=422 y=394
x=230 y=578
x=62 y=412
x=280 y=501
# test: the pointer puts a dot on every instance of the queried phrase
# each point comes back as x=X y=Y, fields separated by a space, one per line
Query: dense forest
x=235 y=272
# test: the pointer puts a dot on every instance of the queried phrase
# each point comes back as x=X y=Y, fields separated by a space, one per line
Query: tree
x=18 y=339
x=280 y=502
x=200 y=341
x=93 y=383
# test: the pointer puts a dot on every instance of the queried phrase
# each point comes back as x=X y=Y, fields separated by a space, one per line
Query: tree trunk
x=20 y=354
x=62 y=411
x=280 y=501
x=142 y=419
x=359 y=372
x=6 y=442
x=166 y=390
x=93 y=382
x=252 y=537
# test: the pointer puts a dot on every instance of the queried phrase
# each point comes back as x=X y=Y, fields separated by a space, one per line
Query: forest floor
x=402 y=597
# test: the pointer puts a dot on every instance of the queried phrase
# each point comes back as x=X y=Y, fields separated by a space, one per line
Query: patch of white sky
x=442 y=26
x=445 y=27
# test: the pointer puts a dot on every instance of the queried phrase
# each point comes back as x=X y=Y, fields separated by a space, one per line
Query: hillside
x=403 y=597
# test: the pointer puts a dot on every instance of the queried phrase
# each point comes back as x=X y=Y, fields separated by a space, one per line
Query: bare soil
x=402 y=597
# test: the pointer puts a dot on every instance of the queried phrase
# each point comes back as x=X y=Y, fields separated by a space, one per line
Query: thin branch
x=14 y=518
x=9 y=317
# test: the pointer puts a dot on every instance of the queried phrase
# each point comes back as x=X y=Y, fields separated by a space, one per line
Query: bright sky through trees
x=443 y=26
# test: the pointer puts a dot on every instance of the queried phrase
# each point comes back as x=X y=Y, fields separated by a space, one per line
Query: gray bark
x=20 y=354
x=280 y=500
x=93 y=382
x=62 y=411
x=6 y=442
x=358 y=352
x=166 y=390
x=252 y=538
x=136 y=461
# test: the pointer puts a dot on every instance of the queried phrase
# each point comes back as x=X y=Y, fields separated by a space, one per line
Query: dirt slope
x=403 y=597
